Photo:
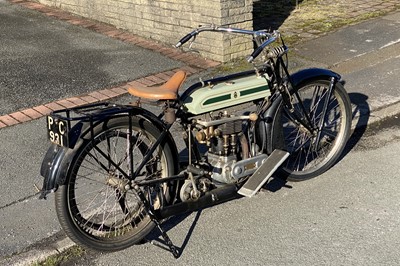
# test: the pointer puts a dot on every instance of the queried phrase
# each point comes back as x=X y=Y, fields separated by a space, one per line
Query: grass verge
x=65 y=256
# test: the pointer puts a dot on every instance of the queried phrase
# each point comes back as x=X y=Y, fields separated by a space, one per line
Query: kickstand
x=154 y=219
x=167 y=240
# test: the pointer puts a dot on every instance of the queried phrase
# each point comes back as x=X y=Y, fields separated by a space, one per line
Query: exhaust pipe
x=211 y=198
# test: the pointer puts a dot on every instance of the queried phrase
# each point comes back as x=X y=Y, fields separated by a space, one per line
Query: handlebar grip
x=184 y=40
x=255 y=53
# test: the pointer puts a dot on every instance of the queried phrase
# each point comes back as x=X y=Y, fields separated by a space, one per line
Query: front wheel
x=312 y=153
x=96 y=206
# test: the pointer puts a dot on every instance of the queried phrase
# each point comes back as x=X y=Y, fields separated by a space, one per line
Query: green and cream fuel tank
x=213 y=96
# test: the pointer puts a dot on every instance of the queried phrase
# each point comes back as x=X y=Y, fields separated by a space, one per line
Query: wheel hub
x=118 y=183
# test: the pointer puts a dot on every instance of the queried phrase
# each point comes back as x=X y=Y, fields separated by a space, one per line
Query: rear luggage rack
x=91 y=112
x=64 y=126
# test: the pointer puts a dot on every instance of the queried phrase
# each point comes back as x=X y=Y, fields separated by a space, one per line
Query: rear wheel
x=312 y=153
x=96 y=207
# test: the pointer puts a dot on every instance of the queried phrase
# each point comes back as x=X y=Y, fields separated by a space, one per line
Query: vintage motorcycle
x=116 y=170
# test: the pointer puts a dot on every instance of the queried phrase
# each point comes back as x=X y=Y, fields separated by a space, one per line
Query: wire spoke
x=98 y=199
x=305 y=153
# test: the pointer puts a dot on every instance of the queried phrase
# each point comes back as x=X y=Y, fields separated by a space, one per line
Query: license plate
x=57 y=131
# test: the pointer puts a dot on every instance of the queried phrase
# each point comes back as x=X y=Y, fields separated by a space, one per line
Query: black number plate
x=57 y=131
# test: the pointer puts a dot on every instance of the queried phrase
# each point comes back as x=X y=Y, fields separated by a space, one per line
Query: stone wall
x=167 y=21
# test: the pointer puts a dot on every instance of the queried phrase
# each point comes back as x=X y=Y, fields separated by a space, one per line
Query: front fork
x=305 y=120
x=324 y=110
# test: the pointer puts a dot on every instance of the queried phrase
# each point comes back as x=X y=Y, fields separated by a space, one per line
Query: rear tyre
x=96 y=207
x=308 y=158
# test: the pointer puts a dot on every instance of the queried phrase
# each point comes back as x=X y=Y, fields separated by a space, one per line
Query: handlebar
x=185 y=39
x=257 y=35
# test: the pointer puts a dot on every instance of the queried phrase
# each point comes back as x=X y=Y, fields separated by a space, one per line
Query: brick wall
x=167 y=21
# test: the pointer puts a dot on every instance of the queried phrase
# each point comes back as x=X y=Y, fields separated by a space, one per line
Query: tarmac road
x=368 y=58
x=43 y=59
x=348 y=216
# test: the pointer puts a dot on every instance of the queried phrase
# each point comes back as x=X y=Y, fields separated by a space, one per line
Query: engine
x=221 y=139
x=226 y=144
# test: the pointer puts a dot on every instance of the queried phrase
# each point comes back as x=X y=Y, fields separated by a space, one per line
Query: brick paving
x=309 y=19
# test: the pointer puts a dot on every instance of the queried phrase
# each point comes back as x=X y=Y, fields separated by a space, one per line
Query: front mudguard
x=305 y=76
x=57 y=160
x=269 y=129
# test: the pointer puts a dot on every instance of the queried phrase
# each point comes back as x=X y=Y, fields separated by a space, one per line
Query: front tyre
x=312 y=153
x=96 y=207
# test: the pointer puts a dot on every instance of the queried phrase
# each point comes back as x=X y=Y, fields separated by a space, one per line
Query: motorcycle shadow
x=360 y=117
x=155 y=237
x=275 y=184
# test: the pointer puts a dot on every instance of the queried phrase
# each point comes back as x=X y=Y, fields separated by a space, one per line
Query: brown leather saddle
x=167 y=91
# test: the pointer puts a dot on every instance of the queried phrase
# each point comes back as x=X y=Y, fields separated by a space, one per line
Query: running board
x=260 y=177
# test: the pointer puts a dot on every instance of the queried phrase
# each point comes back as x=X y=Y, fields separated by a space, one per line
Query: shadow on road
x=156 y=239
x=276 y=183
x=360 y=115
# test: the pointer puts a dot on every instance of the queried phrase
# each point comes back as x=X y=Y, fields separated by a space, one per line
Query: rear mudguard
x=57 y=161
x=269 y=131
